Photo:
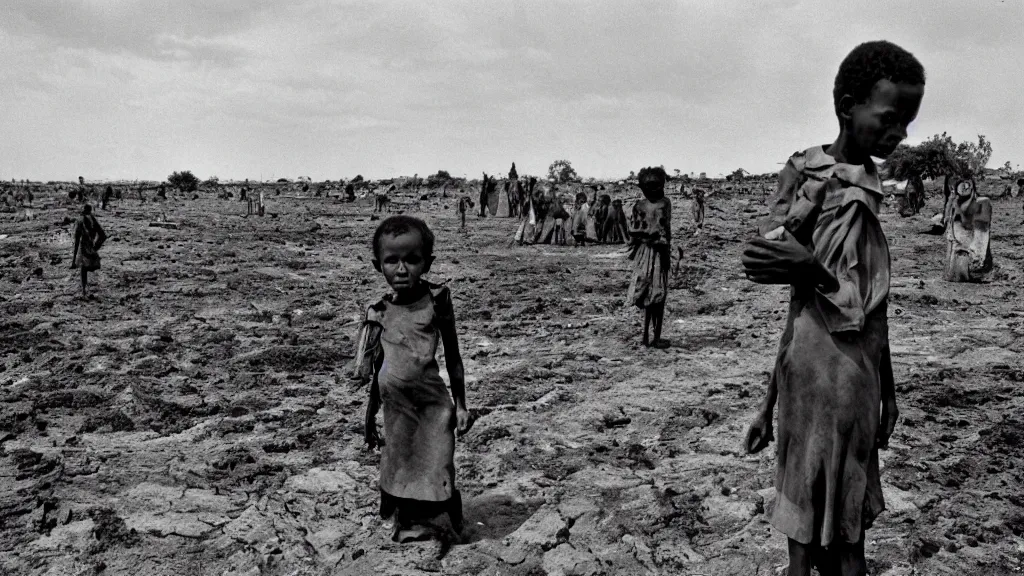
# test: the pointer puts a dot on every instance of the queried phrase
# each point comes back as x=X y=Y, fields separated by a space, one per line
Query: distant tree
x=211 y=181
x=440 y=179
x=676 y=170
x=632 y=175
x=561 y=171
x=283 y=180
x=184 y=181
x=737 y=175
x=358 y=179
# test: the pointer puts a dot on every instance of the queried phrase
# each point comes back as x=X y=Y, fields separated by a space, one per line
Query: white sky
x=140 y=88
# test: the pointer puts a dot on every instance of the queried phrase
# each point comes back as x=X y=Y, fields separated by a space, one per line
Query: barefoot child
x=396 y=356
x=89 y=238
x=833 y=375
x=650 y=232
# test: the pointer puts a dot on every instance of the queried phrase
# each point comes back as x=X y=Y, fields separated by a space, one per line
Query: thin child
x=833 y=374
x=650 y=232
x=89 y=238
x=397 y=357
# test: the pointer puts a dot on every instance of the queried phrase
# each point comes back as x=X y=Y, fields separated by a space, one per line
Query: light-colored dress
x=968 y=225
x=828 y=365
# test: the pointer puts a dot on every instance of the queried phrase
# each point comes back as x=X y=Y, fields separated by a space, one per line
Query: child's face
x=402 y=260
x=653 y=192
x=880 y=123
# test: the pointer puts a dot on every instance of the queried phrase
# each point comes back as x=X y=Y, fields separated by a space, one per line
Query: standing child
x=465 y=204
x=89 y=238
x=833 y=374
x=651 y=235
x=396 y=356
x=698 y=208
x=580 y=217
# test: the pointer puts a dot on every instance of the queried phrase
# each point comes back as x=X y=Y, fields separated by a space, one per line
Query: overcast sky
x=139 y=88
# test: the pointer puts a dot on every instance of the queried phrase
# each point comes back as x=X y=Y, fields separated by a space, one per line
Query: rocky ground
x=196 y=418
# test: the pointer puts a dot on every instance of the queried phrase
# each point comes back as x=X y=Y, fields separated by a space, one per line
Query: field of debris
x=196 y=417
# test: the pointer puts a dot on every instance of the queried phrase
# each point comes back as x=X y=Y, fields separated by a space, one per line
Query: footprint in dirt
x=494 y=517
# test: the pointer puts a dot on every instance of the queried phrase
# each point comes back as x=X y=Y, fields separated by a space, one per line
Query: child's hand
x=887 y=423
x=462 y=420
x=784 y=261
x=370 y=435
x=759 y=434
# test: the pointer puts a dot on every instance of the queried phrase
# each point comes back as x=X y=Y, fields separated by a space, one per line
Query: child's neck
x=845 y=150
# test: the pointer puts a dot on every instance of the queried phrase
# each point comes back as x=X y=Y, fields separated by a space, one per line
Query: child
x=464 y=204
x=580 y=218
x=89 y=236
x=651 y=236
x=698 y=208
x=833 y=373
x=396 y=356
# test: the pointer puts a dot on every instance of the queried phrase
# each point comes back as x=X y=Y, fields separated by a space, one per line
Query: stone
x=565 y=560
x=540 y=529
x=319 y=481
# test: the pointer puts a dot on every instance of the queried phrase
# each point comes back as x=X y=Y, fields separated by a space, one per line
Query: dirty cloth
x=417 y=459
x=90 y=237
x=580 y=220
x=968 y=222
x=650 y=227
x=827 y=370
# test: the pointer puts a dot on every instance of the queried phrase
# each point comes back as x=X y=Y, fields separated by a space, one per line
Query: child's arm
x=668 y=221
x=370 y=434
x=453 y=359
x=101 y=236
x=74 y=251
x=889 y=410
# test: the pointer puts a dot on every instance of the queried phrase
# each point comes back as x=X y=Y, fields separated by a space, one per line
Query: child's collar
x=861 y=176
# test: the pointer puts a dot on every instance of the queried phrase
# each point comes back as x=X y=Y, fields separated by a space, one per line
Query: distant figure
x=350 y=192
x=650 y=231
x=89 y=238
x=162 y=192
x=512 y=174
x=697 y=207
x=580 y=216
x=382 y=202
x=603 y=207
x=107 y=195
x=968 y=224
x=465 y=204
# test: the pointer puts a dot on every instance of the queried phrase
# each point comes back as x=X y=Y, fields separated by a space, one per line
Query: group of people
x=833 y=380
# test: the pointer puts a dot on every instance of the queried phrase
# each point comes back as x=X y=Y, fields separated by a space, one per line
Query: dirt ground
x=197 y=418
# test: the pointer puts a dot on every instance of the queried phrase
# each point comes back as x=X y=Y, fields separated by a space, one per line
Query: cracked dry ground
x=196 y=419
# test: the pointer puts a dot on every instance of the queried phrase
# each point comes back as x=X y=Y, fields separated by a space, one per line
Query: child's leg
x=799 y=559
x=455 y=511
x=647 y=326
x=85 y=279
x=851 y=559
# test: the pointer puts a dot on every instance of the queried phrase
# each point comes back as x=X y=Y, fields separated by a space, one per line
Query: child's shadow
x=494 y=516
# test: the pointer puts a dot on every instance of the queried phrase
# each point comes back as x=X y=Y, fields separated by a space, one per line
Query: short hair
x=652 y=178
x=87 y=209
x=397 y=225
x=870 y=62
